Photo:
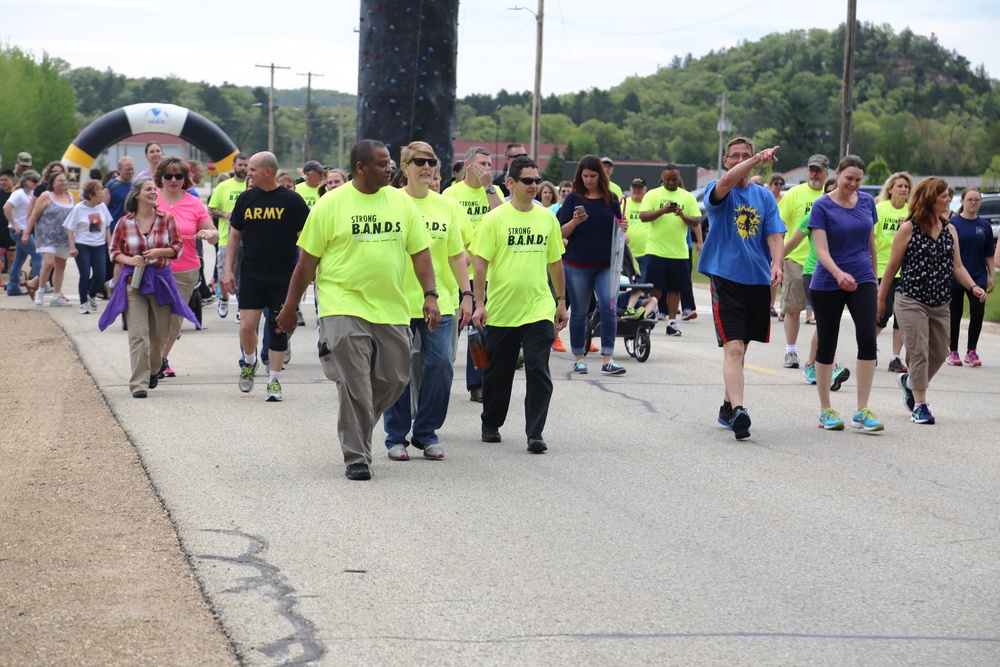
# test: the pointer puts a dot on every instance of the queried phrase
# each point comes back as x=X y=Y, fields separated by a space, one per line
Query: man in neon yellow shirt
x=609 y=168
x=443 y=219
x=220 y=207
x=477 y=194
x=671 y=211
x=795 y=205
x=638 y=231
x=364 y=233
x=308 y=189
x=519 y=246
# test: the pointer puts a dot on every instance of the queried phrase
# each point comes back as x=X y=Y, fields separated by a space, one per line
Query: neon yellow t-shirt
x=519 y=247
x=889 y=219
x=668 y=234
x=475 y=201
x=797 y=203
x=224 y=199
x=638 y=231
x=442 y=218
x=364 y=243
x=309 y=194
x=615 y=189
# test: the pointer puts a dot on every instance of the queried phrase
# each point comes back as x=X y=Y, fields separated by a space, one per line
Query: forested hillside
x=919 y=106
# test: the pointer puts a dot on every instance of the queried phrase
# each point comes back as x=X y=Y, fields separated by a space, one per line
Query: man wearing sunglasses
x=511 y=152
x=520 y=244
x=794 y=206
x=742 y=258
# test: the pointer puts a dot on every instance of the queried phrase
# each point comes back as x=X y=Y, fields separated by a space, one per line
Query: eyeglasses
x=173 y=177
x=530 y=181
x=973 y=200
x=740 y=156
x=421 y=161
x=511 y=157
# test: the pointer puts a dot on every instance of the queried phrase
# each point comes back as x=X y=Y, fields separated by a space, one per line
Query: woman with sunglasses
x=15 y=210
x=588 y=217
x=173 y=178
x=975 y=238
x=46 y=221
x=144 y=243
x=444 y=220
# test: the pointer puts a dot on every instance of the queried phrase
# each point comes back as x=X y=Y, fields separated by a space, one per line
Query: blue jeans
x=581 y=283
x=90 y=258
x=643 y=268
x=22 y=252
x=432 y=395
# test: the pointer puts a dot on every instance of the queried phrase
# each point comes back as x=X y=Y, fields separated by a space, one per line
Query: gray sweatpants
x=371 y=365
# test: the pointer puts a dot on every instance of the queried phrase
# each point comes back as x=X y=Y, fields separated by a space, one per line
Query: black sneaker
x=358 y=472
x=491 y=434
x=739 y=423
x=476 y=394
x=725 y=415
x=154 y=380
x=139 y=393
x=536 y=445
x=673 y=331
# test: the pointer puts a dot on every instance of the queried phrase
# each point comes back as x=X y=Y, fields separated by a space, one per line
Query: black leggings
x=828 y=307
x=977 y=309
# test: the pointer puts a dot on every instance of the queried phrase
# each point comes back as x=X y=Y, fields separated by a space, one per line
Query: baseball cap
x=312 y=165
x=638 y=181
x=24 y=159
x=607 y=160
x=818 y=161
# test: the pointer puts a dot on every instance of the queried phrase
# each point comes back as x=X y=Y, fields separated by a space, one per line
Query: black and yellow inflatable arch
x=135 y=119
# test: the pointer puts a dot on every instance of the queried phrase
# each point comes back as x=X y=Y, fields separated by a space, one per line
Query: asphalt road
x=645 y=535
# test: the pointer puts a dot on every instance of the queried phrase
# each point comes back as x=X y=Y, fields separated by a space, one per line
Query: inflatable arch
x=135 y=119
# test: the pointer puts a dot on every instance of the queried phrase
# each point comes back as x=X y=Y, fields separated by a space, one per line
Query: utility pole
x=340 y=132
x=270 y=106
x=305 y=145
x=724 y=127
x=536 y=101
x=847 y=97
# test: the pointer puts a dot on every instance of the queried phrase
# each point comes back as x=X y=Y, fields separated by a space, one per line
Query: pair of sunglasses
x=421 y=161
x=531 y=181
x=173 y=177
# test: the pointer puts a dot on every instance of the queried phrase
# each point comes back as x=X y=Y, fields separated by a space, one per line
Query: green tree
x=878 y=171
x=554 y=169
x=991 y=177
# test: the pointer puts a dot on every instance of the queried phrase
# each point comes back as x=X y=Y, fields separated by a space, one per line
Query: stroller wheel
x=642 y=344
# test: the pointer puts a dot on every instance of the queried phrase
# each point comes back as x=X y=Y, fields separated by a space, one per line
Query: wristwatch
x=431 y=292
x=491 y=190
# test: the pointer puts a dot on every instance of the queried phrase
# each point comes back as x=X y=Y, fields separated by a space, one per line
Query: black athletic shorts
x=741 y=312
x=264 y=287
x=669 y=275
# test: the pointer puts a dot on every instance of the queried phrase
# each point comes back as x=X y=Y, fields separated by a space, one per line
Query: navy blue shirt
x=117 y=192
x=590 y=243
x=975 y=244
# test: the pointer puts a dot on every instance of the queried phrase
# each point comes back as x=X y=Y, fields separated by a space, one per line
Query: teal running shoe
x=866 y=420
x=829 y=420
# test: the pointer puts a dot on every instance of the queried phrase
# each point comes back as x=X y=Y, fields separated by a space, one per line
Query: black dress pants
x=502 y=346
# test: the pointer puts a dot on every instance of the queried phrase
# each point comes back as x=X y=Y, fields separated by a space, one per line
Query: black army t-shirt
x=269 y=223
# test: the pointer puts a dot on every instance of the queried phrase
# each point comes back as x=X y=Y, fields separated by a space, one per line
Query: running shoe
x=39 y=296
x=288 y=353
x=896 y=366
x=791 y=360
x=223 y=307
x=829 y=420
x=840 y=375
x=93 y=303
x=273 y=391
x=921 y=414
x=558 y=345
x=740 y=422
x=300 y=319
x=59 y=301
x=866 y=420
x=810 y=373
x=633 y=314
x=689 y=315
x=954 y=359
x=246 y=376
x=167 y=371
x=611 y=368
x=84 y=308
x=726 y=415
x=972 y=359
x=673 y=330
x=580 y=367
x=904 y=383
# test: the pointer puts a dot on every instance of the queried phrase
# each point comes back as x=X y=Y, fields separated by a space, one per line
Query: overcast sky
x=587 y=42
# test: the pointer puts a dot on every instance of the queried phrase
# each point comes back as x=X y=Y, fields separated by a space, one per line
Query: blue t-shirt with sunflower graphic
x=738 y=227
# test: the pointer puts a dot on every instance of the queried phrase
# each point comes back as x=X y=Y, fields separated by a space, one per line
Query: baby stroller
x=635 y=333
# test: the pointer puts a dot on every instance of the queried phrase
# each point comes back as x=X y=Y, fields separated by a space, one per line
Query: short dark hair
x=670 y=166
x=241 y=156
x=151 y=143
x=519 y=164
x=364 y=151
x=851 y=161
x=7 y=172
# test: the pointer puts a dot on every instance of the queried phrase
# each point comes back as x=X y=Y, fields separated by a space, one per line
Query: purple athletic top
x=848 y=236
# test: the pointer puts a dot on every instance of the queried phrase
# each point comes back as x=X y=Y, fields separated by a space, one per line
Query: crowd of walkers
x=400 y=267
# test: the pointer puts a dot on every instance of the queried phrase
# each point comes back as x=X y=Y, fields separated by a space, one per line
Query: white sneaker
x=288 y=353
x=93 y=303
x=39 y=297
x=223 y=307
x=84 y=308
x=59 y=301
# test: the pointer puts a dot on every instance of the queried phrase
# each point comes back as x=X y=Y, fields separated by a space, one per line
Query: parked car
x=989 y=210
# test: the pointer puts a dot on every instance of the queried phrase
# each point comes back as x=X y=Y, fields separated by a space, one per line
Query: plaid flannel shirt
x=128 y=240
